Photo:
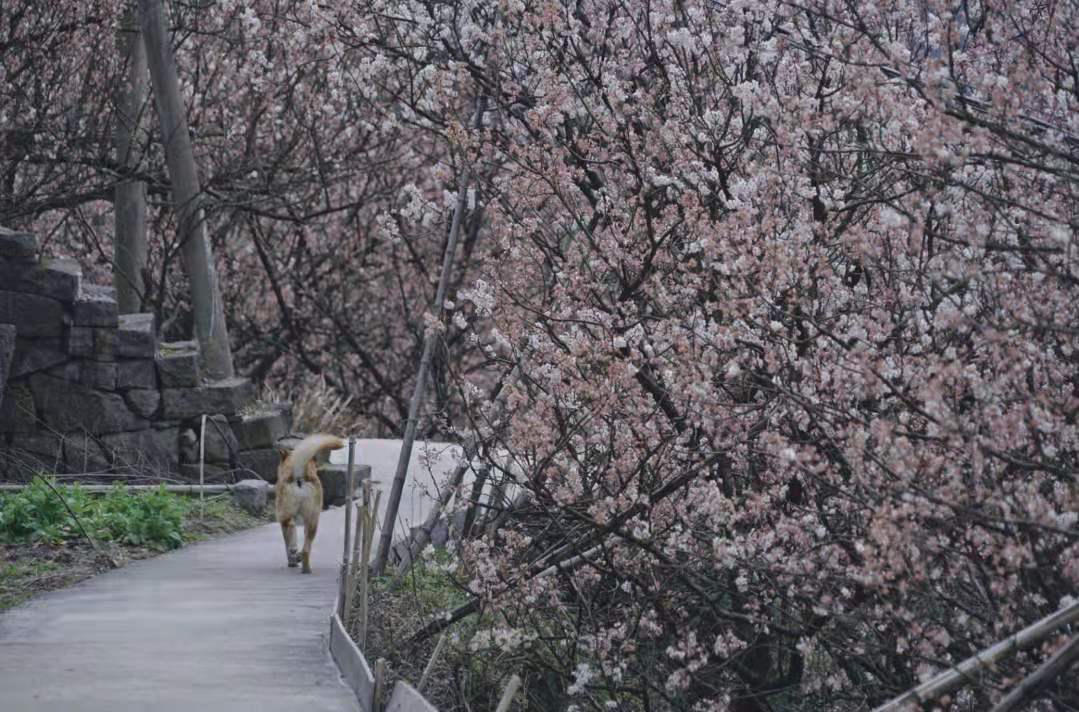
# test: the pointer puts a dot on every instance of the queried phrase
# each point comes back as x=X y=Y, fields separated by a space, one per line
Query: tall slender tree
x=196 y=251
x=130 y=240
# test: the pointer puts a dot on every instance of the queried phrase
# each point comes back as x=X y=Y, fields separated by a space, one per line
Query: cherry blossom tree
x=791 y=287
x=780 y=297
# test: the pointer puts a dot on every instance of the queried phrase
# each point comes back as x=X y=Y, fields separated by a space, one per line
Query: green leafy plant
x=153 y=518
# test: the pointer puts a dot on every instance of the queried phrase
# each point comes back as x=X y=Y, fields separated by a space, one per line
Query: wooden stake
x=370 y=520
x=380 y=684
x=344 y=592
x=358 y=532
x=202 y=468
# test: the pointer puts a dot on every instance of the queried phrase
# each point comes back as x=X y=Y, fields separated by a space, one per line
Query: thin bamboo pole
x=1031 y=685
x=419 y=389
x=202 y=468
x=955 y=677
x=507 y=694
x=343 y=584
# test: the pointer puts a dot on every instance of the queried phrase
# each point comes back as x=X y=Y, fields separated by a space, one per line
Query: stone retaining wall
x=84 y=389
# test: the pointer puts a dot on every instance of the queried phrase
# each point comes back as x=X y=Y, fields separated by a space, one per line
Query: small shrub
x=34 y=513
x=153 y=518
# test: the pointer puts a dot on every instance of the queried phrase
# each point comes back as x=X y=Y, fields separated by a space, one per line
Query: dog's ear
x=283 y=453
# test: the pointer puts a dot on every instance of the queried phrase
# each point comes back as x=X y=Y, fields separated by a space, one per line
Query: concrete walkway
x=216 y=626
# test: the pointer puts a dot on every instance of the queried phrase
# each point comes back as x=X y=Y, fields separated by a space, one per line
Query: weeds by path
x=42 y=549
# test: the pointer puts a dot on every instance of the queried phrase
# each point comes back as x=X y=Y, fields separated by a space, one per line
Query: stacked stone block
x=85 y=389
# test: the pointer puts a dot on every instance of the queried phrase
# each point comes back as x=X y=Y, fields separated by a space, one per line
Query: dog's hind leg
x=309 y=530
x=288 y=530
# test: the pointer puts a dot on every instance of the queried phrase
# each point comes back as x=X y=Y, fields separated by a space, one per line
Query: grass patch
x=20 y=579
x=462 y=678
x=42 y=546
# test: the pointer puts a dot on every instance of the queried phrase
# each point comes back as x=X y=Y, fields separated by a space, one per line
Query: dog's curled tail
x=311 y=446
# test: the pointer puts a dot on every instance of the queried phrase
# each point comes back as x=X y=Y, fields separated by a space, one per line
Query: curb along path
x=219 y=625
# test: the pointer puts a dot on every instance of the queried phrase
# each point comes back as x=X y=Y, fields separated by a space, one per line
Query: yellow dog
x=299 y=494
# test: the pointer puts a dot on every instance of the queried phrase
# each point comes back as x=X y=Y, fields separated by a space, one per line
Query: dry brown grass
x=318 y=408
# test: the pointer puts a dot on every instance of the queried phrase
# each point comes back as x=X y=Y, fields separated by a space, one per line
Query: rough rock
x=46 y=445
x=17 y=244
x=143 y=401
x=263 y=430
x=7 y=350
x=189 y=445
x=178 y=364
x=220 y=442
x=36 y=355
x=334 y=479
x=149 y=449
x=133 y=338
x=34 y=316
x=31 y=453
x=67 y=407
x=96 y=306
x=251 y=496
x=214 y=474
x=57 y=279
x=261 y=463
x=80 y=341
x=227 y=396
x=83 y=453
x=136 y=373
x=17 y=411
x=70 y=371
x=98 y=374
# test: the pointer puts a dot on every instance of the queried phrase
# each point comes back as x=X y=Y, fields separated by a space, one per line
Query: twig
x=474 y=501
x=445 y=620
x=431 y=662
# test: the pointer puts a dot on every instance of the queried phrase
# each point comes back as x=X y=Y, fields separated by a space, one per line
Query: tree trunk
x=195 y=250
x=129 y=241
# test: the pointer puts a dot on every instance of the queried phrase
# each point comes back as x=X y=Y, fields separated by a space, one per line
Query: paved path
x=217 y=626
